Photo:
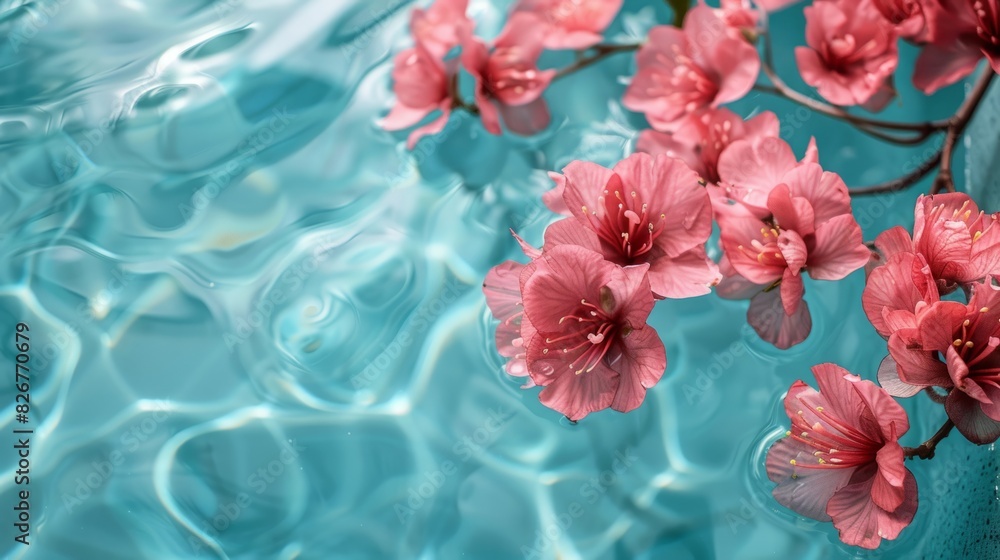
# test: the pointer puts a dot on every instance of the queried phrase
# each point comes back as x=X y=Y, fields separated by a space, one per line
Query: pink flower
x=441 y=27
x=966 y=337
x=502 y=288
x=851 y=55
x=775 y=5
x=841 y=460
x=644 y=211
x=964 y=31
x=740 y=16
x=898 y=292
x=684 y=72
x=960 y=243
x=809 y=228
x=701 y=141
x=421 y=83
x=909 y=17
x=592 y=348
x=751 y=167
x=508 y=81
x=571 y=24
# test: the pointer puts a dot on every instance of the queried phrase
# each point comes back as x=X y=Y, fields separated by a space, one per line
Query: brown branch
x=956 y=126
x=926 y=449
x=903 y=182
x=600 y=53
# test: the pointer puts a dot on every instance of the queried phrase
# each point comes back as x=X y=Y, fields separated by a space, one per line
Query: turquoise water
x=257 y=325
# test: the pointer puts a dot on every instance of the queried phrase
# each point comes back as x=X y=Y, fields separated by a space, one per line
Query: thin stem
x=600 y=53
x=945 y=180
x=903 y=182
x=926 y=449
x=865 y=124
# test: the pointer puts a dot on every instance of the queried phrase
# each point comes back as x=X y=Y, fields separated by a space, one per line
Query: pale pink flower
x=851 y=54
x=966 y=337
x=964 y=31
x=682 y=72
x=809 y=228
x=644 y=211
x=701 y=141
x=571 y=24
x=503 y=296
x=592 y=348
x=775 y=5
x=441 y=27
x=422 y=86
x=841 y=460
x=508 y=81
x=960 y=243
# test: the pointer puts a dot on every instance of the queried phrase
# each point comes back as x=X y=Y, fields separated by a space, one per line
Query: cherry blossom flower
x=966 y=337
x=571 y=24
x=751 y=167
x=810 y=228
x=441 y=27
x=841 y=460
x=591 y=348
x=502 y=288
x=421 y=83
x=775 y=5
x=898 y=292
x=908 y=16
x=851 y=54
x=682 y=72
x=647 y=210
x=740 y=16
x=960 y=243
x=508 y=81
x=701 y=141
x=964 y=31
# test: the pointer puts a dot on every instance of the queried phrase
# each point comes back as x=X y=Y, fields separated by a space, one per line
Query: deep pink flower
x=841 y=460
x=909 y=17
x=421 y=83
x=964 y=31
x=966 y=337
x=644 y=211
x=508 y=81
x=571 y=24
x=592 y=348
x=684 y=72
x=960 y=242
x=851 y=55
x=701 y=141
x=750 y=168
x=441 y=27
x=809 y=228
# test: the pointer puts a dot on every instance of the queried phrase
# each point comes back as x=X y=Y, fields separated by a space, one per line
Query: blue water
x=256 y=322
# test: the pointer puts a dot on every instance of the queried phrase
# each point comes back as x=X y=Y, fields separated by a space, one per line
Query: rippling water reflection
x=267 y=313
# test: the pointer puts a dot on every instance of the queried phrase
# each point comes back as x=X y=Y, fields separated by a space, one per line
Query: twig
x=926 y=449
x=600 y=53
x=903 y=182
x=956 y=127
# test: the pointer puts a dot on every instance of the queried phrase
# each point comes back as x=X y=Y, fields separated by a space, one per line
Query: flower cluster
x=507 y=81
x=935 y=342
x=574 y=319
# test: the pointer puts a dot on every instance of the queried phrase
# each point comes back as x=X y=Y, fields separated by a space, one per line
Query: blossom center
x=836 y=444
x=766 y=251
x=685 y=83
x=590 y=333
x=626 y=223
